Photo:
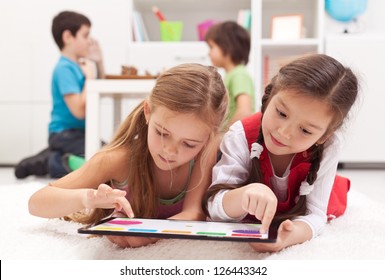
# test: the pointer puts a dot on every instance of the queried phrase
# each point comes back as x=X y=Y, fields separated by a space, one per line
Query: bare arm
x=77 y=190
x=95 y=54
x=100 y=70
x=53 y=202
x=244 y=108
x=77 y=102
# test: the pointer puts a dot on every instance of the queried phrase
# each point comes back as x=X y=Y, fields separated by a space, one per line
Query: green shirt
x=238 y=81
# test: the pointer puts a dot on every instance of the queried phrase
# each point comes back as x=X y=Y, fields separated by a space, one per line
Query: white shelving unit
x=191 y=12
x=155 y=55
x=270 y=54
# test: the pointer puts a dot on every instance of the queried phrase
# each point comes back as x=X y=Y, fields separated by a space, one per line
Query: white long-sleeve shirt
x=235 y=164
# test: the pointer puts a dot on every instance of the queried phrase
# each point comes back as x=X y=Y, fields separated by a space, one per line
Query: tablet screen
x=205 y=230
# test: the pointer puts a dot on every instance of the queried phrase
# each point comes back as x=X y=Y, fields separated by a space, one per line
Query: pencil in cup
x=171 y=30
x=158 y=13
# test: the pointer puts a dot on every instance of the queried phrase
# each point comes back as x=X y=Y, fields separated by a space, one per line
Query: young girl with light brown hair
x=158 y=164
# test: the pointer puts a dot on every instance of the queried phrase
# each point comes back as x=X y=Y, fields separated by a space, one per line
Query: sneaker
x=35 y=165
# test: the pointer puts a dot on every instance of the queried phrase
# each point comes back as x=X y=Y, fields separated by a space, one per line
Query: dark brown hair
x=67 y=20
x=232 y=39
x=319 y=76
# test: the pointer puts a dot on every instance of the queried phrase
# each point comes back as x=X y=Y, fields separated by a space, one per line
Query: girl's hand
x=131 y=241
x=285 y=231
x=260 y=201
x=107 y=197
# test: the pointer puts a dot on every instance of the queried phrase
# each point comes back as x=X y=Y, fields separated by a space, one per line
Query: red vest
x=298 y=171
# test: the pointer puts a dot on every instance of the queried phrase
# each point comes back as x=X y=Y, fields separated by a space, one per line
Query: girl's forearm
x=53 y=202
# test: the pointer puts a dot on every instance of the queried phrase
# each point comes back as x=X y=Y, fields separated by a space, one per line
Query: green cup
x=171 y=30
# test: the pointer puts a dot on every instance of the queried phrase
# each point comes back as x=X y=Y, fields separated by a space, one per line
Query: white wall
x=28 y=54
x=362 y=50
x=371 y=21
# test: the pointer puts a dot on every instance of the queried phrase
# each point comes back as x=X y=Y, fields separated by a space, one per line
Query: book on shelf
x=139 y=28
x=272 y=64
x=244 y=18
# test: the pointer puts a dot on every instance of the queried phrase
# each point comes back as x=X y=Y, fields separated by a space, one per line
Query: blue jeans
x=70 y=141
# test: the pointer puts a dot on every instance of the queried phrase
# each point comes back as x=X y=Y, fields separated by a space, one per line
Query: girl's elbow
x=32 y=207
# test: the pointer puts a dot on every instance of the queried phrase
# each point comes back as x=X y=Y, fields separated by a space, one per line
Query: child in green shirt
x=229 y=45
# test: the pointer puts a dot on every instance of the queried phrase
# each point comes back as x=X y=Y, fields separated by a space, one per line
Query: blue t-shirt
x=67 y=78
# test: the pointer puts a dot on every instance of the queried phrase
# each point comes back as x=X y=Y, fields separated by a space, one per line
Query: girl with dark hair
x=279 y=165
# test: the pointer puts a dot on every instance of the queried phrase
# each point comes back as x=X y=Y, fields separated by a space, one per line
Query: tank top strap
x=182 y=194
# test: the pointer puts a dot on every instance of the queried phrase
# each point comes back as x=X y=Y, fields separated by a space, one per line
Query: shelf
x=161 y=44
x=191 y=12
x=279 y=43
x=156 y=55
x=309 y=9
x=271 y=54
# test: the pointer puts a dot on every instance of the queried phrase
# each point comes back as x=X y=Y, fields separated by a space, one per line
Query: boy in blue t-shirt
x=67 y=126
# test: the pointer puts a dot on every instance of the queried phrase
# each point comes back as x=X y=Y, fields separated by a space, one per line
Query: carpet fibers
x=359 y=234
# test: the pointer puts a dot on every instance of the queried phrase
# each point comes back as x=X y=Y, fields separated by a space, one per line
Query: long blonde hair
x=187 y=88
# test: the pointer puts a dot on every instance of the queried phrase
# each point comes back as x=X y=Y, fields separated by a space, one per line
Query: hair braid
x=256 y=175
x=315 y=161
x=300 y=207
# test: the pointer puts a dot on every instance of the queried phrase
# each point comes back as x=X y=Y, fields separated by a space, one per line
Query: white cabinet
x=366 y=134
x=155 y=55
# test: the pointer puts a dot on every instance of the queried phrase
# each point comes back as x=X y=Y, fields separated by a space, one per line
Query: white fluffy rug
x=359 y=234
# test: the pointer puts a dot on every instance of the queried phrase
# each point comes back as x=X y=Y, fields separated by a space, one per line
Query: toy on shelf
x=131 y=72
